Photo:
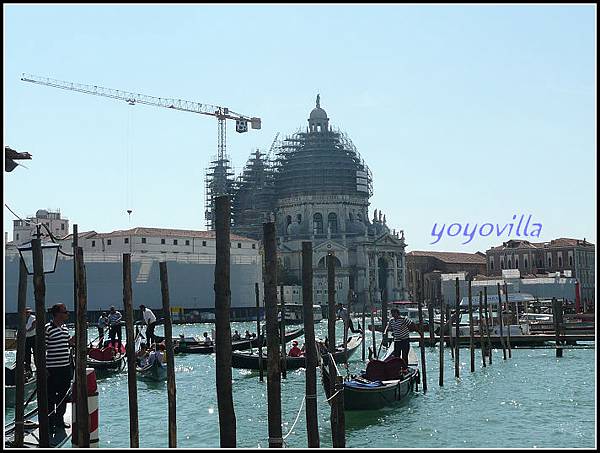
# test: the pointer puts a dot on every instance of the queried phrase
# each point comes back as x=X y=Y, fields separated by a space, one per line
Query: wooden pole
x=134 y=431
x=227 y=421
x=431 y=324
x=39 y=287
x=273 y=360
x=75 y=270
x=450 y=335
x=20 y=360
x=282 y=335
x=373 y=323
x=442 y=339
x=471 y=332
x=339 y=441
x=171 y=386
x=557 y=321
x=312 y=426
x=364 y=315
x=82 y=413
x=422 y=339
x=457 y=336
x=487 y=323
x=501 y=323
x=507 y=307
x=481 y=331
x=331 y=313
x=259 y=333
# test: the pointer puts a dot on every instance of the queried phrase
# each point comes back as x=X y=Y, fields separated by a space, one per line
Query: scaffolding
x=218 y=181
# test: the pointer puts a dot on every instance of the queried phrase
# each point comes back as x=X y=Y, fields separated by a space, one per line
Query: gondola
x=104 y=360
x=384 y=383
x=185 y=348
x=251 y=360
x=10 y=385
x=155 y=372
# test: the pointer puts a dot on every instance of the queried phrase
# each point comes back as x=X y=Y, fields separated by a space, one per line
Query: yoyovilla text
x=486 y=229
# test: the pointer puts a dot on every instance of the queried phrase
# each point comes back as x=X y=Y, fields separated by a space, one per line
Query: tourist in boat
x=236 y=336
x=114 y=320
x=342 y=313
x=29 y=338
x=58 y=365
x=207 y=339
x=156 y=353
x=102 y=324
x=150 y=321
x=295 y=351
x=141 y=357
x=400 y=327
x=247 y=335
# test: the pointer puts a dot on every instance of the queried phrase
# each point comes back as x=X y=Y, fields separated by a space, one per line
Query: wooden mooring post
x=487 y=324
x=431 y=323
x=20 y=360
x=82 y=436
x=312 y=426
x=509 y=311
x=471 y=332
x=134 y=431
x=481 y=331
x=364 y=315
x=422 y=339
x=442 y=340
x=450 y=335
x=457 y=335
x=338 y=435
x=273 y=359
x=259 y=333
x=171 y=387
x=282 y=335
x=557 y=320
x=501 y=322
x=39 y=289
x=374 y=353
x=227 y=421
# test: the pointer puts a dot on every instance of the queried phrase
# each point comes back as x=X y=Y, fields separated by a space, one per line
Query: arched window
x=501 y=264
x=509 y=265
x=332 y=222
x=516 y=263
x=560 y=261
x=525 y=263
x=317 y=223
x=359 y=217
x=549 y=262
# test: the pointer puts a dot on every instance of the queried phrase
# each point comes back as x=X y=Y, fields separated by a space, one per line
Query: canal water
x=531 y=400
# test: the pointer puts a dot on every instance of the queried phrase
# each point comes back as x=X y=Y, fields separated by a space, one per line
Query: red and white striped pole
x=92 y=394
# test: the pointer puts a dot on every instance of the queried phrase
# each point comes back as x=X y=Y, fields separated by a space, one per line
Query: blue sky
x=464 y=114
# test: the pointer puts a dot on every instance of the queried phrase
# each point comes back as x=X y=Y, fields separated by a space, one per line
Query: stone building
x=430 y=265
x=558 y=255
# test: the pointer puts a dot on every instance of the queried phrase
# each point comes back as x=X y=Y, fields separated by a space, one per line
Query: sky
x=464 y=114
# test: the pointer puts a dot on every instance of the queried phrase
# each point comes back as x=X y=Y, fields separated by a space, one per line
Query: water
x=531 y=400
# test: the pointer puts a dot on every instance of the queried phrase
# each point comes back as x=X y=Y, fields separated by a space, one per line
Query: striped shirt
x=57 y=346
x=400 y=328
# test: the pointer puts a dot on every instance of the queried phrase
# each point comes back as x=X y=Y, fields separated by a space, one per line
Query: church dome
x=318 y=114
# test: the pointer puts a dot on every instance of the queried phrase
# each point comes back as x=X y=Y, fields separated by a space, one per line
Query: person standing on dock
x=150 y=320
x=58 y=365
x=401 y=328
x=29 y=338
x=114 y=320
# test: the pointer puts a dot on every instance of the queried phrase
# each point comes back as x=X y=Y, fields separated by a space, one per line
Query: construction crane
x=221 y=113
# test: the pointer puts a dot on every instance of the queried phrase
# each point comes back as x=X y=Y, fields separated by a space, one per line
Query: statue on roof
x=318 y=101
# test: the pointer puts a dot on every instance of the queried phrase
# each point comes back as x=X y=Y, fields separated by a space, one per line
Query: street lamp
x=49 y=253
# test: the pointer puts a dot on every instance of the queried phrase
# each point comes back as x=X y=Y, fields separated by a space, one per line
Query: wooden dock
x=520 y=341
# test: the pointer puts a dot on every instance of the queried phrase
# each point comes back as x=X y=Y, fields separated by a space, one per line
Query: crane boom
x=136 y=98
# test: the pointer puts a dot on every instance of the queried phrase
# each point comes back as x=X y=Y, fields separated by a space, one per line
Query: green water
x=530 y=400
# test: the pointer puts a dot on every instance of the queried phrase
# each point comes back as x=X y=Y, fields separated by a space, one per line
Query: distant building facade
x=558 y=255
x=428 y=266
x=23 y=230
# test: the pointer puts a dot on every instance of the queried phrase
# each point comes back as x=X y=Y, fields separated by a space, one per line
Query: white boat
x=294 y=313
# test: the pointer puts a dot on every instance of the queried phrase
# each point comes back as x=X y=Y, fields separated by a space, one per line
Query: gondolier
x=401 y=328
x=150 y=321
x=114 y=320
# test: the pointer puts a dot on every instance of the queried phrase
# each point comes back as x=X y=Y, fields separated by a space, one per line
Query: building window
x=560 y=261
x=62 y=226
x=162 y=241
x=332 y=222
x=187 y=242
x=299 y=218
x=549 y=262
x=570 y=260
x=501 y=264
x=174 y=241
x=492 y=264
x=525 y=263
x=93 y=243
x=317 y=223
x=17 y=236
x=239 y=245
x=203 y=243
x=253 y=246
x=540 y=265
x=143 y=240
x=126 y=240
x=359 y=217
x=108 y=241
x=509 y=266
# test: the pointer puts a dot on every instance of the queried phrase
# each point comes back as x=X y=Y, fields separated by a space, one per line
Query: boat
x=384 y=383
x=10 y=385
x=155 y=372
x=294 y=313
x=10 y=339
x=250 y=360
x=199 y=348
x=105 y=359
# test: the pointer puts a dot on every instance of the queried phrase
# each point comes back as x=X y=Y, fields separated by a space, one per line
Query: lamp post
x=40 y=259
